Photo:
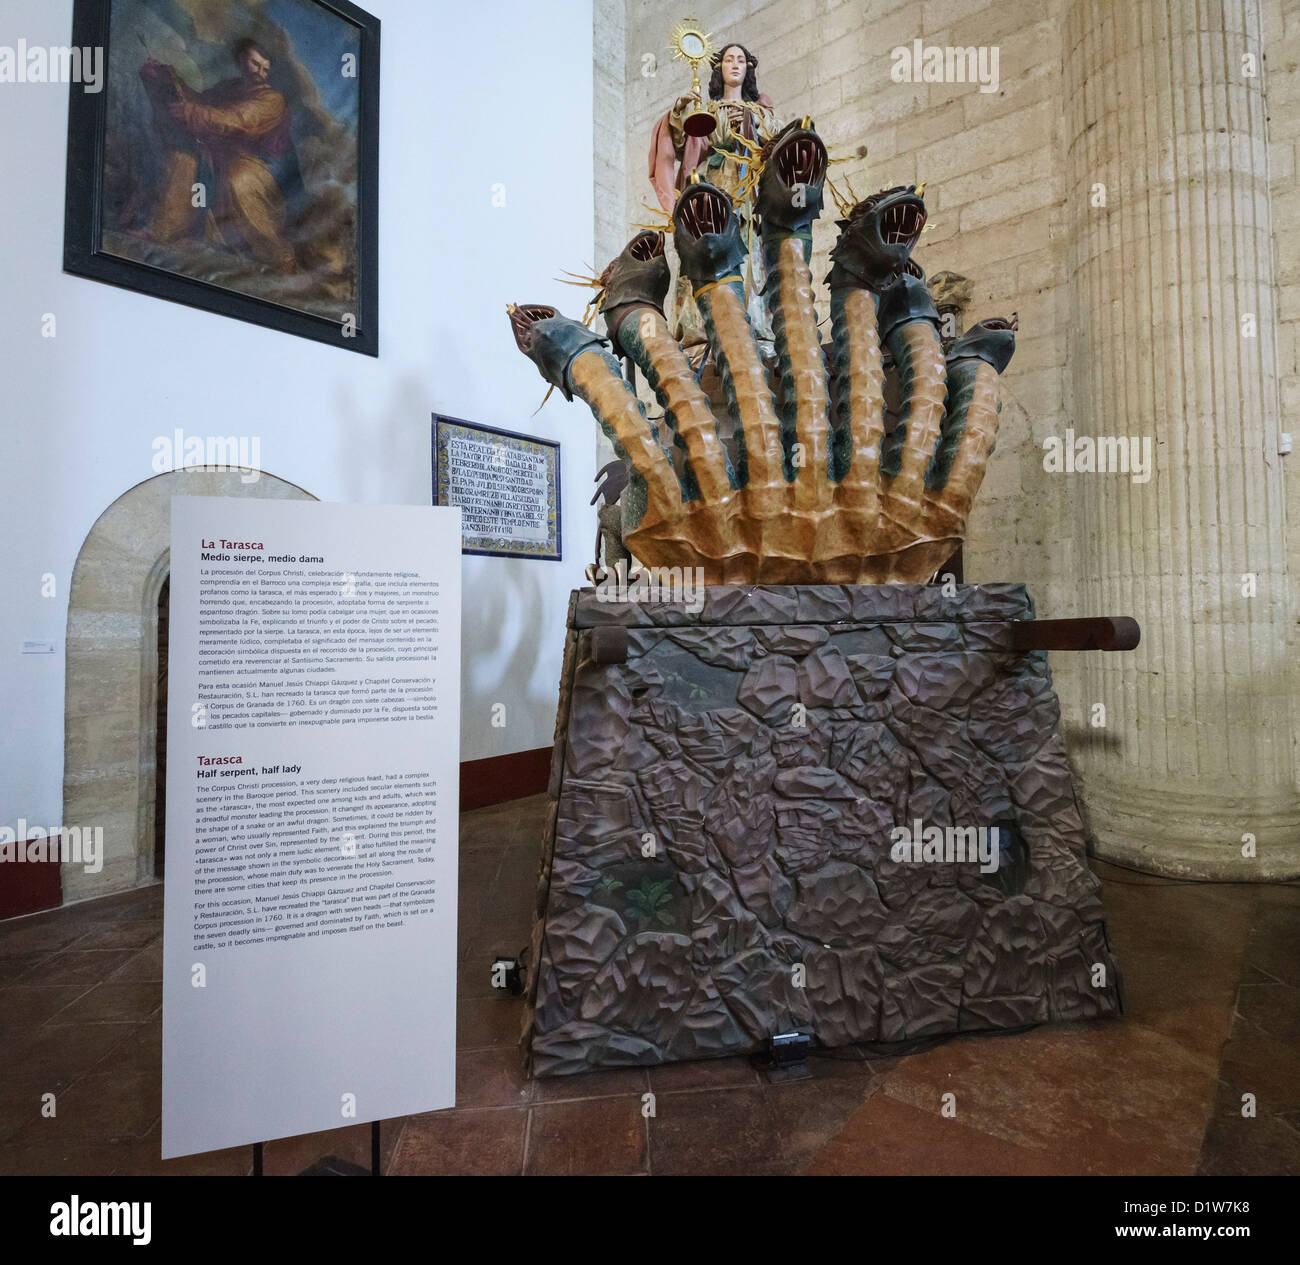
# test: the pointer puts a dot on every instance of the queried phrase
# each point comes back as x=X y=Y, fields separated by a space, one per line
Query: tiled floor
x=1212 y=975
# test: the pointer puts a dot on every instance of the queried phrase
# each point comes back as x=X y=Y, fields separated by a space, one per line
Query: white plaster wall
x=472 y=96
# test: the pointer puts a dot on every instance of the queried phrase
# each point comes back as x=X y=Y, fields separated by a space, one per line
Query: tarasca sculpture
x=762 y=802
x=826 y=484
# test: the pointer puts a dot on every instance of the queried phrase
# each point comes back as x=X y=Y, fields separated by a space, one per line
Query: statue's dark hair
x=239 y=49
x=748 y=86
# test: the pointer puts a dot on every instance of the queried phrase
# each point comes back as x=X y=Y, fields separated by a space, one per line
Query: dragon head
x=876 y=240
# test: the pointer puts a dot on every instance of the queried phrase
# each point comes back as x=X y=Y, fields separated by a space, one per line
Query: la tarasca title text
x=222 y=543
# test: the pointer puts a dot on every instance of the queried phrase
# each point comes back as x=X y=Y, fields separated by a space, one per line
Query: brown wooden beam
x=1111 y=632
x=503 y=777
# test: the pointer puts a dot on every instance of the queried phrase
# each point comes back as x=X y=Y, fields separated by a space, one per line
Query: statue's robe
x=674 y=156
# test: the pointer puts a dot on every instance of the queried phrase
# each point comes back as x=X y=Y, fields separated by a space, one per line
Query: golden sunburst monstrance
x=692 y=43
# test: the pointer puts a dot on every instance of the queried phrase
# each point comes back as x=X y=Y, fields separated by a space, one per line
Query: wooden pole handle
x=1110 y=632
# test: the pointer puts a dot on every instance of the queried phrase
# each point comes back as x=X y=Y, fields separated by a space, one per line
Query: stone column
x=1174 y=339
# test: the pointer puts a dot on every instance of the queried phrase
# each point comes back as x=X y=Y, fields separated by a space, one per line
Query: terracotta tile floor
x=1211 y=972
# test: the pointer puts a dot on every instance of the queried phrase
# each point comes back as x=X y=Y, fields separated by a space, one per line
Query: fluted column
x=1198 y=748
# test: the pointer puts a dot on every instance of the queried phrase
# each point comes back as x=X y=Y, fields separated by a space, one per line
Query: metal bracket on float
x=609 y=644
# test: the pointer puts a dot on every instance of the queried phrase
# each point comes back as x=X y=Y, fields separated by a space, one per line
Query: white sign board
x=309 y=976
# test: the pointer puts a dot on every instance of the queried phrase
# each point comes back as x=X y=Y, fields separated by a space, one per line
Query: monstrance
x=691 y=43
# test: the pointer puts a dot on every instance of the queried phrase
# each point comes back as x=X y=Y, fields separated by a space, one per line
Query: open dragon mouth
x=901 y=222
x=703 y=209
x=522 y=319
x=646 y=246
x=899 y=212
x=876 y=239
x=1000 y=322
x=801 y=160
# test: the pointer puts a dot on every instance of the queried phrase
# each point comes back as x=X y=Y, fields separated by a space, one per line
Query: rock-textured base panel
x=719 y=865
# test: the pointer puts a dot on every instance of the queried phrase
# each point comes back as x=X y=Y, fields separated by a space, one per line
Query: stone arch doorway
x=111 y=691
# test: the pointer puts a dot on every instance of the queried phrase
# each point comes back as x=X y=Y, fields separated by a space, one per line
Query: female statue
x=744 y=118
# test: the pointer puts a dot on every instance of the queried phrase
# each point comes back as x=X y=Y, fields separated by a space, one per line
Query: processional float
x=825 y=795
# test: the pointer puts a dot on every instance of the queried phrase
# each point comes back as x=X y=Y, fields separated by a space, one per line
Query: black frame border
x=83 y=201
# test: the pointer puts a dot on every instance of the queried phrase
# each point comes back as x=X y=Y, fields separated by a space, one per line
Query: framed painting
x=507 y=486
x=230 y=160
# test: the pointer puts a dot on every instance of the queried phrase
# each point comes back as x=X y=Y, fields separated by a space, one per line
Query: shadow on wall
x=507 y=632
x=1077 y=737
x=512 y=619
x=394 y=439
